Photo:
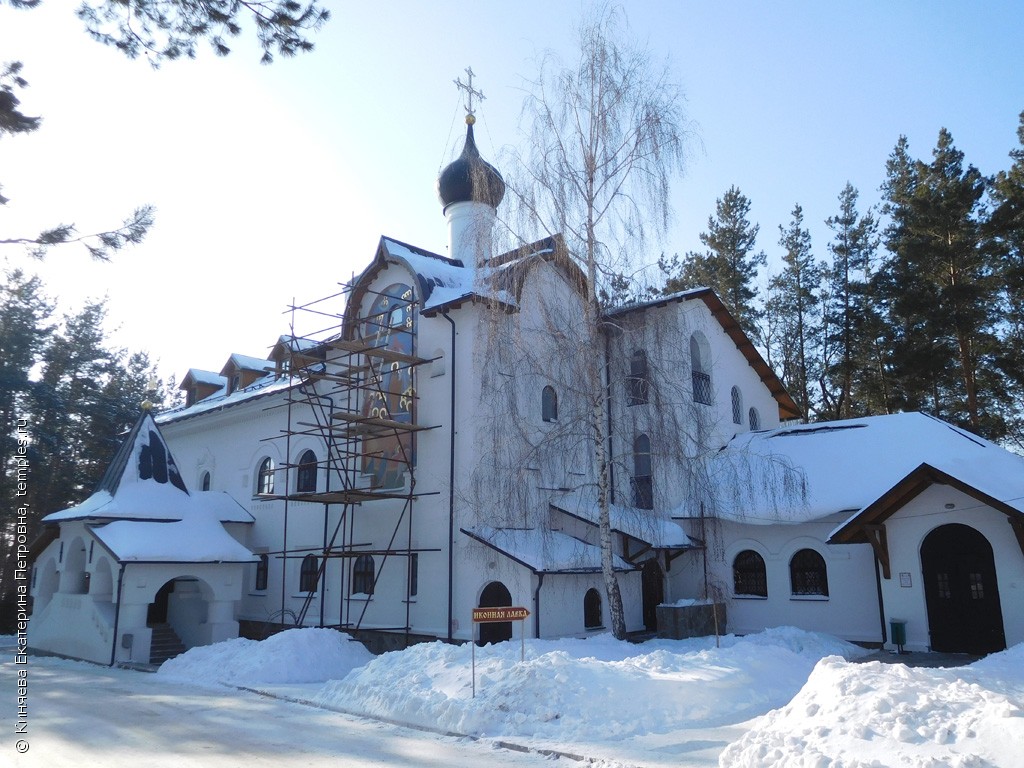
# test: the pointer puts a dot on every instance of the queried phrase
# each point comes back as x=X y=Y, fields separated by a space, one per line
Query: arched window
x=592 y=609
x=643 y=490
x=308 y=574
x=204 y=482
x=754 y=419
x=265 y=477
x=549 y=404
x=637 y=384
x=262 y=573
x=807 y=573
x=748 y=574
x=737 y=406
x=305 y=479
x=362 y=575
x=700 y=369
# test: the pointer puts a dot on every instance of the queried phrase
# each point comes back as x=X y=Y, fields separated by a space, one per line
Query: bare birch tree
x=606 y=138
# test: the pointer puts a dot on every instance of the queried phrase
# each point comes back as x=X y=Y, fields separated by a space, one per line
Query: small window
x=305 y=479
x=754 y=419
x=414 y=574
x=748 y=574
x=592 y=609
x=637 y=384
x=807 y=573
x=204 y=483
x=308 y=574
x=549 y=404
x=262 y=573
x=265 y=477
x=362 y=575
x=643 y=490
x=700 y=370
x=737 y=406
x=236 y=383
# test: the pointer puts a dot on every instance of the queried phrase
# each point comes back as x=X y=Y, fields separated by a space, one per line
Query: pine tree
x=940 y=288
x=729 y=265
x=795 y=308
x=1006 y=227
x=850 y=354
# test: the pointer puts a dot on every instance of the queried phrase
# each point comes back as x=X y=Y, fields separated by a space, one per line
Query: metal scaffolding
x=343 y=377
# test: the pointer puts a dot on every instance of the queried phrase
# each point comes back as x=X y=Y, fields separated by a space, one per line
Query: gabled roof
x=980 y=487
x=142 y=456
x=837 y=469
x=142 y=482
x=721 y=313
x=199 y=376
x=543 y=551
x=246 y=363
x=142 y=511
x=432 y=273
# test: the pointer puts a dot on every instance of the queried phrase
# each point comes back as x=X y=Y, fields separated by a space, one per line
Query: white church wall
x=904 y=594
x=69 y=617
x=850 y=610
x=191 y=613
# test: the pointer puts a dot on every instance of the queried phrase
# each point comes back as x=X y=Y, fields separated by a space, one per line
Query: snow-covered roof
x=248 y=363
x=543 y=551
x=297 y=343
x=152 y=515
x=196 y=539
x=642 y=524
x=210 y=378
x=262 y=387
x=812 y=471
x=441 y=279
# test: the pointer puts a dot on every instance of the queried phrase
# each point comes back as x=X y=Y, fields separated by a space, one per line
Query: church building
x=414 y=447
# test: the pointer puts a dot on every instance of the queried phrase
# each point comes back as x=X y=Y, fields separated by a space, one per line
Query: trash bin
x=898 y=628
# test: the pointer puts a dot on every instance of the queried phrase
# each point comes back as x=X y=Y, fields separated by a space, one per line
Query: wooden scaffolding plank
x=388 y=355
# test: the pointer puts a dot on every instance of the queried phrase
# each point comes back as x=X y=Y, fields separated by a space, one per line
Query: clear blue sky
x=274 y=183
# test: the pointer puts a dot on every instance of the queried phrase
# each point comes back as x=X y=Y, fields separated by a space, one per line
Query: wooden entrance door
x=495 y=595
x=964 y=614
x=653 y=585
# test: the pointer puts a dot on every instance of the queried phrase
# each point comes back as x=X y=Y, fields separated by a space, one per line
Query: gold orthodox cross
x=470 y=92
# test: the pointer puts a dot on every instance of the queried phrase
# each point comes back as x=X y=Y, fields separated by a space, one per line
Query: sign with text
x=509 y=613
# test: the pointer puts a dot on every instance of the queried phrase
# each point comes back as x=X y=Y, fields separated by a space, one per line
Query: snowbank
x=305 y=655
x=874 y=714
x=593 y=690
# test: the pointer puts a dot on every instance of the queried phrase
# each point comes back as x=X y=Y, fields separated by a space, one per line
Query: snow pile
x=294 y=656
x=594 y=690
x=874 y=714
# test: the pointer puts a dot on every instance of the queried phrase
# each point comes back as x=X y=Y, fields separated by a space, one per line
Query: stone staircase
x=165 y=644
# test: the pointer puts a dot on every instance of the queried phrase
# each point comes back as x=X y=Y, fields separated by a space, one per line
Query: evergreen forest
x=914 y=305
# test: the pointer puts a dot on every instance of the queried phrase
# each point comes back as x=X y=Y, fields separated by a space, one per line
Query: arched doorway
x=653 y=585
x=495 y=595
x=964 y=614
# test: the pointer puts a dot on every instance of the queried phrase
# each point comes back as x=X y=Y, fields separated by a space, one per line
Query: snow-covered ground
x=783 y=697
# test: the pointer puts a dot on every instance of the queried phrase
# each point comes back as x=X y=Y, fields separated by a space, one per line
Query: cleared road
x=81 y=715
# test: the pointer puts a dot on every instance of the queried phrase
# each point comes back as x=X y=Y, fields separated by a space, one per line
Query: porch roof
x=543 y=551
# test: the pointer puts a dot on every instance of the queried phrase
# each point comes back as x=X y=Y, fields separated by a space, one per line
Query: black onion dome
x=470 y=177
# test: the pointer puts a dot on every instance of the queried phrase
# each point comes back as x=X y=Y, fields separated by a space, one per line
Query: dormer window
x=236 y=383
